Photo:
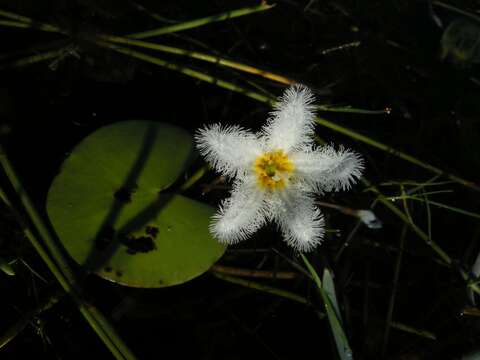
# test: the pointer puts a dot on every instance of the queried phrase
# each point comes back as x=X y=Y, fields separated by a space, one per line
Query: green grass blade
x=199 y=56
x=186 y=71
x=411 y=330
x=201 y=22
x=25 y=22
x=261 y=287
x=33 y=59
x=350 y=109
x=59 y=266
x=13 y=16
x=341 y=342
x=451 y=208
x=23 y=25
x=331 y=307
x=6 y=267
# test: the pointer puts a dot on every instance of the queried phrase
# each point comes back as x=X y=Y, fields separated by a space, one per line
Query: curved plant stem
x=456 y=10
x=253 y=273
x=29 y=60
x=410 y=329
x=349 y=109
x=13 y=16
x=199 y=56
x=261 y=287
x=440 y=205
x=183 y=69
x=32 y=25
x=60 y=268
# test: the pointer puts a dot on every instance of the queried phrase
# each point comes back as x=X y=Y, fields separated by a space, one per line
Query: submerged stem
x=58 y=265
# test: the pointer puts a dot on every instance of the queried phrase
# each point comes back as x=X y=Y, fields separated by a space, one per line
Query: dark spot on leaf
x=108 y=269
x=124 y=194
x=104 y=238
x=152 y=231
x=160 y=281
x=118 y=273
x=136 y=244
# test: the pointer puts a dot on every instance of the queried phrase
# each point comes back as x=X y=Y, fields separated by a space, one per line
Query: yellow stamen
x=273 y=170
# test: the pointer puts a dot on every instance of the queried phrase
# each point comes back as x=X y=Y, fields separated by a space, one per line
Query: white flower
x=276 y=172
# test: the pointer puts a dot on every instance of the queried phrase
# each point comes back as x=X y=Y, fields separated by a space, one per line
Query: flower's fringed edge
x=297 y=99
x=249 y=214
x=217 y=144
x=231 y=151
x=349 y=169
x=301 y=207
x=324 y=169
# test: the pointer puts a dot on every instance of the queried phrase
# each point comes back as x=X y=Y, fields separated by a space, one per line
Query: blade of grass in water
x=59 y=266
x=25 y=22
x=404 y=195
x=261 y=287
x=234 y=65
x=340 y=340
x=184 y=70
x=33 y=59
x=199 y=56
x=6 y=267
x=415 y=183
x=331 y=308
x=451 y=208
x=436 y=203
x=13 y=16
x=457 y=10
x=28 y=22
x=32 y=25
x=409 y=329
x=201 y=22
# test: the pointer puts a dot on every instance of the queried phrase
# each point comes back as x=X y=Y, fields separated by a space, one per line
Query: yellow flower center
x=273 y=170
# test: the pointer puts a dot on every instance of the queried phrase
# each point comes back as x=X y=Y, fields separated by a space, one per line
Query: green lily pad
x=110 y=211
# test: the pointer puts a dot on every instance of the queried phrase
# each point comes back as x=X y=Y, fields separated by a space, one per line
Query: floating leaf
x=110 y=211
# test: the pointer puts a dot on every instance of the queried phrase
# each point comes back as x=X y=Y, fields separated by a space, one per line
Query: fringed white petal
x=240 y=215
x=326 y=169
x=292 y=123
x=231 y=150
x=300 y=220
